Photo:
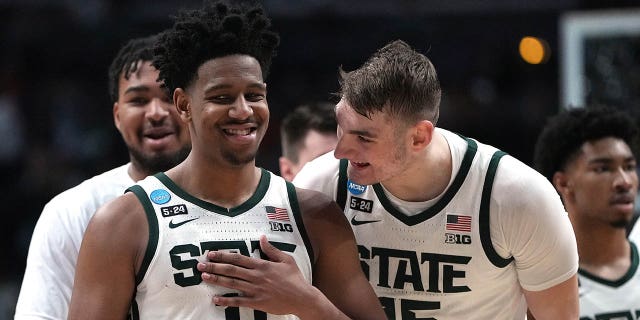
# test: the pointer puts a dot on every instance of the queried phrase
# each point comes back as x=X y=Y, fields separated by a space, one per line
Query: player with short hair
x=156 y=140
x=306 y=133
x=589 y=156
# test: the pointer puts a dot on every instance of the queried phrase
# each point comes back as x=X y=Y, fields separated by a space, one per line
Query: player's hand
x=275 y=286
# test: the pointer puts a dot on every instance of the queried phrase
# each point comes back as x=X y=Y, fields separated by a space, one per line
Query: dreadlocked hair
x=218 y=29
x=128 y=60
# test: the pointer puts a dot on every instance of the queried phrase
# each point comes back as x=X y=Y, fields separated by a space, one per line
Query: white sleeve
x=53 y=252
x=529 y=223
x=320 y=174
x=634 y=236
x=55 y=243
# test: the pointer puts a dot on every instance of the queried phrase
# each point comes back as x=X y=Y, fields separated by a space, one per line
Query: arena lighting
x=534 y=50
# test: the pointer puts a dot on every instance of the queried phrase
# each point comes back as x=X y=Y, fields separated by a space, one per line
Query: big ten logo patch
x=280 y=226
x=457 y=238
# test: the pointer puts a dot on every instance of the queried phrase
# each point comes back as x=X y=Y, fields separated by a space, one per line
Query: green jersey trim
x=484 y=221
x=134 y=313
x=465 y=166
x=152 y=245
x=297 y=215
x=341 y=196
x=633 y=268
x=260 y=192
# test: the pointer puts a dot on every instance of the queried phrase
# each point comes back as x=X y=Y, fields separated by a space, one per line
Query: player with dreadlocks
x=156 y=139
x=143 y=251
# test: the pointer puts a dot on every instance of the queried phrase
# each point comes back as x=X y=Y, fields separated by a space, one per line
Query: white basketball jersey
x=182 y=229
x=602 y=299
x=440 y=263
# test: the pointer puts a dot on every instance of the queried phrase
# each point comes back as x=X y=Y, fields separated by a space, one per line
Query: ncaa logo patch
x=160 y=196
x=356 y=188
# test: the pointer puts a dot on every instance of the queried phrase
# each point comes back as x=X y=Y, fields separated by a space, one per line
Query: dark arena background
x=56 y=119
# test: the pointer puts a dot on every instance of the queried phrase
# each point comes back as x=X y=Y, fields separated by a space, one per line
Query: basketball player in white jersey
x=588 y=155
x=156 y=139
x=142 y=251
x=446 y=227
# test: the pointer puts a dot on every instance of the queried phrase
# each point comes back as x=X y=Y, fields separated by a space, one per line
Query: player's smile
x=359 y=165
x=158 y=137
x=243 y=134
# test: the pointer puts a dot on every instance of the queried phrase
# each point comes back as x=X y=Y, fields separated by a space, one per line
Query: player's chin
x=622 y=219
x=363 y=180
x=165 y=144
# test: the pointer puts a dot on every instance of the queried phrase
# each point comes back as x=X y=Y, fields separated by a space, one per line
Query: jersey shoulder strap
x=341 y=190
x=485 y=234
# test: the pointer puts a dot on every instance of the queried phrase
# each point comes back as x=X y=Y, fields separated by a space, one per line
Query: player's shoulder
x=312 y=200
x=511 y=172
x=318 y=173
x=90 y=194
x=107 y=184
x=324 y=163
x=518 y=186
x=515 y=182
x=122 y=209
x=316 y=205
x=514 y=173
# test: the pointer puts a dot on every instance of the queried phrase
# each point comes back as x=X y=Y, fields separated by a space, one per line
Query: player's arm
x=337 y=271
x=535 y=230
x=341 y=290
x=111 y=252
x=557 y=302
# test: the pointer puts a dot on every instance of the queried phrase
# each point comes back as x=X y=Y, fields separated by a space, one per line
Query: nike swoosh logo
x=360 y=222
x=175 y=225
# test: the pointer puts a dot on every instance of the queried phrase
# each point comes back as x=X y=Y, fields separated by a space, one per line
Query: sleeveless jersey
x=603 y=299
x=439 y=263
x=182 y=229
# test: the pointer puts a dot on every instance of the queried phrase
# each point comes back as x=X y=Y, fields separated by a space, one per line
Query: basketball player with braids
x=156 y=139
x=447 y=227
x=589 y=156
x=143 y=251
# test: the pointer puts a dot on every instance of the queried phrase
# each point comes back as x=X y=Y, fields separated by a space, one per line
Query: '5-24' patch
x=360 y=204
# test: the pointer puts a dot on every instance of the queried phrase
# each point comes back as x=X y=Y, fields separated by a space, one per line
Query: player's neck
x=428 y=175
x=136 y=173
x=603 y=250
x=227 y=187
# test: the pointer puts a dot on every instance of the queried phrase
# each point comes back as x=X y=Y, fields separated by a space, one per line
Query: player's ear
x=286 y=168
x=562 y=183
x=116 y=114
x=422 y=134
x=182 y=103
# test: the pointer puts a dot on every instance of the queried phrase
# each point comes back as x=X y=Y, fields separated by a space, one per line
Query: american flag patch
x=457 y=222
x=275 y=213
